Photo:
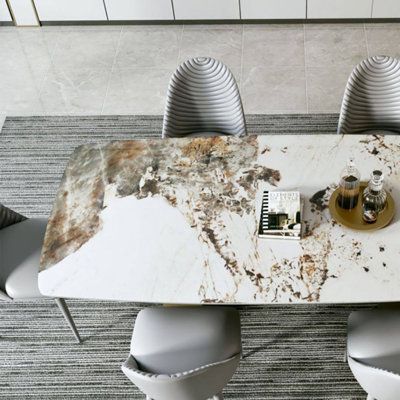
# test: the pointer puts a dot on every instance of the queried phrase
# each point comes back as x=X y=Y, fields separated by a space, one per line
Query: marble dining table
x=175 y=221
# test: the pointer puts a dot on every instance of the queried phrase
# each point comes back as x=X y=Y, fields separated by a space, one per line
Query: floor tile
x=383 y=40
x=152 y=28
x=137 y=91
x=20 y=95
x=153 y=47
x=37 y=50
x=274 y=90
x=333 y=25
x=10 y=49
x=268 y=46
x=381 y=25
x=19 y=87
x=74 y=90
x=95 y=49
x=223 y=43
x=326 y=47
x=126 y=69
x=195 y=27
x=325 y=88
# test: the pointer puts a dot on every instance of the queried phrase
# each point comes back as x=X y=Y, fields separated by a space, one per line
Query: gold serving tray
x=353 y=218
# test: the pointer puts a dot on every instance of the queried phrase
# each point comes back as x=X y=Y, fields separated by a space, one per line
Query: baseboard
x=222 y=22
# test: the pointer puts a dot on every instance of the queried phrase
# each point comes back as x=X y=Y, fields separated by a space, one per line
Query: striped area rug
x=291 y=352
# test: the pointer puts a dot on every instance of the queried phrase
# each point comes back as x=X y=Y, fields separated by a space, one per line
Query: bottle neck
x=376 y=182
x=375 y=186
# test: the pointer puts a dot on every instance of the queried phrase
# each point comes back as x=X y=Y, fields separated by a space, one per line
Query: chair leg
x=345 y=356
x=67 y=315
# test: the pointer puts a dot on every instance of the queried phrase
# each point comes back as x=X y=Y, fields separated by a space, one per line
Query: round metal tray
x=353 y=218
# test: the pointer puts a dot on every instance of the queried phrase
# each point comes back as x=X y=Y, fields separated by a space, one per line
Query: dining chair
x=203 y=99
x=373 y=351
x=372 y=97
x=184 y=353
x=21 y=242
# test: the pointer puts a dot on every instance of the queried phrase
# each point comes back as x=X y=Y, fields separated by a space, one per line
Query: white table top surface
x=175 y=221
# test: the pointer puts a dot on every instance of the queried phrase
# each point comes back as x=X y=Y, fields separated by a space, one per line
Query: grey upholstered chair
x=372 y=97
x=184 y=353
x=373 y=352
x=203 y=100
x=21 y=242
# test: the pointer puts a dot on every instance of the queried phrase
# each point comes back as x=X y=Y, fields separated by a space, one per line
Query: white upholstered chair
x=373 y=351
x=372 y=97
x=203 y=99
x=21 y=242
x=184 y=353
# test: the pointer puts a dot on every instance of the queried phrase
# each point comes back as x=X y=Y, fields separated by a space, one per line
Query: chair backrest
x=372 y=97
x=7 y=217
x=203 y=99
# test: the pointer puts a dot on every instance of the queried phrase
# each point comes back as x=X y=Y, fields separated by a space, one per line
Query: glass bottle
x=349 y=186
x=374 y=197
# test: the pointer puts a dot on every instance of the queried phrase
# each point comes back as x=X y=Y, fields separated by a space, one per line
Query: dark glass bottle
x=349 y=186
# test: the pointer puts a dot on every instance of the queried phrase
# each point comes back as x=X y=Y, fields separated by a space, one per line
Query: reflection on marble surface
x=175 y=221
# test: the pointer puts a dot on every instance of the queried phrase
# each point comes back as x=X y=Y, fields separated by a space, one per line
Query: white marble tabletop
x=175 y=221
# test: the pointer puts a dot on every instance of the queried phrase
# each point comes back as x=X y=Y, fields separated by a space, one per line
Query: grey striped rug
x=291 y=352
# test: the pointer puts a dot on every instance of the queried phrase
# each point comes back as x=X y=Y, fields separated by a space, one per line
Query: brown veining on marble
x=385 y=151
x=283 y=280
x=75 y=217
x=320 y=200
x=213 y=182
x=316 y=243
x=302 y=278
x=202 y=150
x=203 y=178
x=314 y=262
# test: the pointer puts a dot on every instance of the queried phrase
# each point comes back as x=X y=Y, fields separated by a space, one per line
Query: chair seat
x=169 y=340
x=20 y=250
x=374 y=338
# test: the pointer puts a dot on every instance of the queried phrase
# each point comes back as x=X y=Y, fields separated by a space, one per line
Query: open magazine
x=280 y=215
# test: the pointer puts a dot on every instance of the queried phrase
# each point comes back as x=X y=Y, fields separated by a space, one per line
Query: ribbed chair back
x=372 y=97
x=203 y=99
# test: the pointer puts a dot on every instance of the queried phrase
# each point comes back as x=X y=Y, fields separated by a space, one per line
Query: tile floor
x=125 y=69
